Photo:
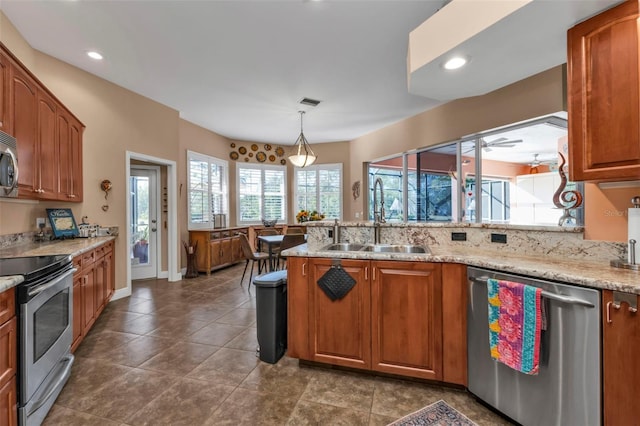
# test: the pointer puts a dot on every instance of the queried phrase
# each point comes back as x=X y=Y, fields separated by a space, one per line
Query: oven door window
x=50 y=321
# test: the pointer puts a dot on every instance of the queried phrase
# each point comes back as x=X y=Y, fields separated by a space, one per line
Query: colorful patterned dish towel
x=515 y=322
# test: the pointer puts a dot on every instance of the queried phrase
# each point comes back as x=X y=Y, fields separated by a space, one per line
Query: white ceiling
x=240 y=67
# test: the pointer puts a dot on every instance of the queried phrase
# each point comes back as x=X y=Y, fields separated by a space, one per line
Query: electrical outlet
x=40 y=222
x=458 y=236
x=330 y=233
x=499 y=238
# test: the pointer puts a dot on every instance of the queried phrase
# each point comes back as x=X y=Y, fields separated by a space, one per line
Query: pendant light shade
x=301 y=154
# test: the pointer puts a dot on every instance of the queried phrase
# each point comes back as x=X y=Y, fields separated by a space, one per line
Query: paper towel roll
x=634 y=232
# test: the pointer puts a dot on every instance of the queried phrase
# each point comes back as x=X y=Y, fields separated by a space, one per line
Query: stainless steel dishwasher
x=566 y=391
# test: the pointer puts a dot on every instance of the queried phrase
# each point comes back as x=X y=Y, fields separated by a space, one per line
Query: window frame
x=317 y=168
x=262 y=168
x=209 y=224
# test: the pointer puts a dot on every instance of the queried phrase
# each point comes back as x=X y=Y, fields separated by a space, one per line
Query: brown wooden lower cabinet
x=392 y=320
x=621 y=369
x=93 y=287
x=8 y=358
x=9 y=403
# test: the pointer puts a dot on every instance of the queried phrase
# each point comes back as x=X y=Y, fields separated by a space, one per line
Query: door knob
x=153 y=229
x=153 y=221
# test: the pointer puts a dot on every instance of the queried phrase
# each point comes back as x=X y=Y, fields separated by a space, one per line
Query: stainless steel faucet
x=378 y=215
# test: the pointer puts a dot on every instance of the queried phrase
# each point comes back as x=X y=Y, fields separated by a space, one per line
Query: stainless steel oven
x=8 y=166
x=45 y=309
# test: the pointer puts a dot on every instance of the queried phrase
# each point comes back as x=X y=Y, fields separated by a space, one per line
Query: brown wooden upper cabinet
x=49 y=137
x=603 y=76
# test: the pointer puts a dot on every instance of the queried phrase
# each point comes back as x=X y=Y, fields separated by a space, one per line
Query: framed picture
x=62 y=223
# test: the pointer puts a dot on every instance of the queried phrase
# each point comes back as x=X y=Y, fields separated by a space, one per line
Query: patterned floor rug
x=437 y=414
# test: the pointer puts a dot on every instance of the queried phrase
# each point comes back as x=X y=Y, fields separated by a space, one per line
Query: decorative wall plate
x=283 y=161
x=261 y=157
x=251 y=154
x=267 y=147
x=272 y=158
x=279 y=151
x=242 y=150
x=233 y=144
x=246 y=159
x=254 y=147
x=234 y=155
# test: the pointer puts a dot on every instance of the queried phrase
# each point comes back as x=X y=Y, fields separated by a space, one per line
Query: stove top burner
x=33 y=267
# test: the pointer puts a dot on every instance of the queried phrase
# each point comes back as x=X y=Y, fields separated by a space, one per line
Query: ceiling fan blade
x=506 y=142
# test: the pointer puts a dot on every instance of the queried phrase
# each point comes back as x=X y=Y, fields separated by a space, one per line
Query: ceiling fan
x=496 y=143
x=536 y=162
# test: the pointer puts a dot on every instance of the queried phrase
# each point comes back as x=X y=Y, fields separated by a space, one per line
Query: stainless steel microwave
x=8 y=166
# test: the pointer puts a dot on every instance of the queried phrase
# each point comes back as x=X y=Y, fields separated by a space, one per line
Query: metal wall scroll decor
x=563 y=199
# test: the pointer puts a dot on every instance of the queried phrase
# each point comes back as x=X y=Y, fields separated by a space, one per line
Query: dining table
x=272 y=241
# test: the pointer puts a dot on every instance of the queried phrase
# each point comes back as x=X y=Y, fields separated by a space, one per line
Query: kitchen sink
x=395 y=248
x=377 y=248
x=344 y=247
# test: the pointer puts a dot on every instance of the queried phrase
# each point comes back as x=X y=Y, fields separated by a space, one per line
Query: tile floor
x=184 y=353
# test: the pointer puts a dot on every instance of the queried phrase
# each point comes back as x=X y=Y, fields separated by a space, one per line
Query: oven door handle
x=40 y=289
x=62 y=378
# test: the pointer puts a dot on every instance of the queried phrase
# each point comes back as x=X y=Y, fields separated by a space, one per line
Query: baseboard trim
x=120 y=293
x=163 y=274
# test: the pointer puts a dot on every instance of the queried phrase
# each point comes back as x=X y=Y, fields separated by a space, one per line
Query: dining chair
x=294 y=230
x=288 y=241
x=253 y=256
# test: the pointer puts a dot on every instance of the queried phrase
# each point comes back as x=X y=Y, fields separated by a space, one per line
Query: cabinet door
x=406 y=317
x=298 y=308
x=47 y=147
x=5 y=122
x=89 y=300
x=621 y=370
x=236 y=250
x=100 y=285
x=226 y=251
x=78 y=305
x=8 y=350
x=604 y=96
x=24 y=116
x=215 y=253
x=70 y=157
x=9 y=403
x=109 y=277
x=340 y=330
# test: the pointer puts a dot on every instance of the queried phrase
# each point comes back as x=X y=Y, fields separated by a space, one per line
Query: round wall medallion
x=279 y=151
x=233 y=144
x=267 y=147
x=233 y=155
x=251 y=154
x=261 y=157
x=246 y=159
x=272 y=158
x=254 y=147
x=242 y=150
x=283 y=161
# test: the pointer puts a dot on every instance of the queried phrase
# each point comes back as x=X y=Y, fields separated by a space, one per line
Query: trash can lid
x=272 y=279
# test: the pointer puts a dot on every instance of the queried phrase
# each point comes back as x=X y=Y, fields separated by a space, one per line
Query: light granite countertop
x=72 y=247
x=593 y=274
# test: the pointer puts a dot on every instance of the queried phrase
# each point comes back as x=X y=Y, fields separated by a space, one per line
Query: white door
x=144 y=222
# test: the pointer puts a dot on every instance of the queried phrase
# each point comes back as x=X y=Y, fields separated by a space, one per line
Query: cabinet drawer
x=8 y=350
x=7 y=305
x=88 y=258
x=77 y=262
x=101 y=251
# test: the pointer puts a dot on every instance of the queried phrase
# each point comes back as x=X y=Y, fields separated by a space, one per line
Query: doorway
x=145 y=253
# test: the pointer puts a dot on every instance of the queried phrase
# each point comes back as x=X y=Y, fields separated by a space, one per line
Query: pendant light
x=301 y=153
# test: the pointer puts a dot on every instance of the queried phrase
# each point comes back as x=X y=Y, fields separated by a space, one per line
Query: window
x=319 y=188
x=208 y=189
x=261 y=193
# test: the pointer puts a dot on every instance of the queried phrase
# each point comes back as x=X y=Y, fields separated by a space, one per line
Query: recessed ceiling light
x=94 y=55
x=455 y=63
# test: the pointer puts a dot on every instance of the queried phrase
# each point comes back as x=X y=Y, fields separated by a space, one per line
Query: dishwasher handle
x=547 y=295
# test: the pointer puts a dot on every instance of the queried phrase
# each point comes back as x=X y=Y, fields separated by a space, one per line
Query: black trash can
x=271 y=315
